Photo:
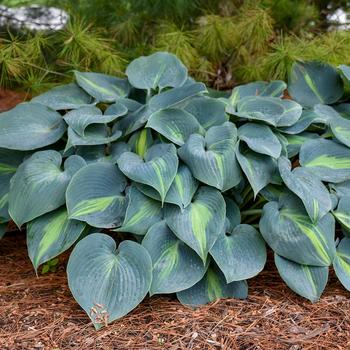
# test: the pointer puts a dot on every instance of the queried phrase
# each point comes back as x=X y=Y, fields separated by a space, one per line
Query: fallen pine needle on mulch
x=40 y=314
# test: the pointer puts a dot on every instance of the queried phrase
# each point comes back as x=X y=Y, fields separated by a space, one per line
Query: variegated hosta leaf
x=271 y=110
x=102 y=153
x=208 y=111
x=296 y=141
x=328 y=160
x=342 y=214
x=311 y=83
x=141 y=213
x=39 y=185
x=233 y=215
x=50 y=235
x=211 y=159
x=141 y=141
x=307 y=187
x=307 y=281
x=108 y=282
x=240 y=253
x=181 y=190
x=175 y=266
x=83 y=119
x=161 y=69
x=102 y=87
x=259 y=169
x=342 y=189
x=259 y=88
x=95 y=195
x=175 y=124
x=9 y=161
x=158 y=169
x=199 y=224
x=29 y=126
x=288 y=230
x=341 y=263
x=260 y=138
x=211 y=287
x=69 y=96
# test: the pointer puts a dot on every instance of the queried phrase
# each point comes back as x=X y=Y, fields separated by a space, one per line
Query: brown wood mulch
x=9 y=98
x=39 y=313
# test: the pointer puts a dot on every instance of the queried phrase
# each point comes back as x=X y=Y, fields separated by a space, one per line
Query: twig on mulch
x=40 y=313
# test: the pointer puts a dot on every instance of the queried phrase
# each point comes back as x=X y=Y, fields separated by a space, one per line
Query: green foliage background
x=223 y=42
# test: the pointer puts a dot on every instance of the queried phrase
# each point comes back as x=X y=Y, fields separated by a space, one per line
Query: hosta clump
x=162 y=188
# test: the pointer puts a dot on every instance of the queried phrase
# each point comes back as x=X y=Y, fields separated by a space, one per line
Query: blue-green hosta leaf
x=9 y=161
x=141 y=141
x=108 y=282
x=175 y=266
x=272 y=192
x=240 y=253
x=296 y=141
x=208 y=111
x=259 y=88
x=260 y=138
x=345 y=70
x=175 y=124
x=29 y=126
x=101 y=153
x=69 y=96
x=342 y=214
x=102 y=87
x=211 y=287
x=311 y=83
x=233 y=214
x=259 y=169
x=307 y=281
x=342 y=189
x=343 y=109
x=161 y=69
x=141 y=213
x=211 y=159
x=200 y=223
x=81 y=119
x=328 y=160
x=289 y=231
x=158 y=169
x=341 y=263
x=51 y=235
x=181 y=190
x=39 y=185
x=307 y=187
x=271 y=110
x=95 y=196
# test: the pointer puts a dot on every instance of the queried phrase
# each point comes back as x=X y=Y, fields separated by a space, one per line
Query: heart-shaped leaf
x=95 y=195
x=69 y=96
x=158 y=169
x=313 y=82
x=175 y=266
x=341 y=263
x=102 y=87
x=307 y=187
x=39 y=185
x=141 y=141
x=240 y=253
x=211 y=287
x=199 y=224
x=328 y=160
x=342 y=214
x=211 y=159
x=175 y=124
x=160 y=69
x=108 y=283
x=289 y=231
x=50 y=235
x=29 y=126
x=141 y=213
x=296 y=141
x=307 y=281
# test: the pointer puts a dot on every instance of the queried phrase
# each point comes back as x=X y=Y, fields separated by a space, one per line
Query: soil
x=39 y=313
x=9 y=99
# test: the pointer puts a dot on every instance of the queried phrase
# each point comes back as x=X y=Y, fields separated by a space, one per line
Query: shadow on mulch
x=40 y=313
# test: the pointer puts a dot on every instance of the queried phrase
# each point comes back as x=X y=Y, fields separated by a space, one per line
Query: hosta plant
x=161 y=188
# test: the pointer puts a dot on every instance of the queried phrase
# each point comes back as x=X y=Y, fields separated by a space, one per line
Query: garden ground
x=39 y=313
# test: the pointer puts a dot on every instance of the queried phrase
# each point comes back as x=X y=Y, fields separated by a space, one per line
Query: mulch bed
x=9 y=99
x=40 y=313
